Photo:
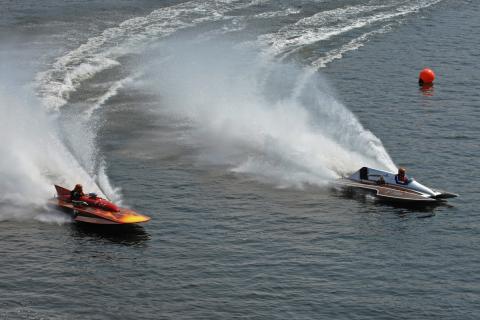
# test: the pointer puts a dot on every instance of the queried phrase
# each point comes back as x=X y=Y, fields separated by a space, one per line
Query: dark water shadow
x=421 y=211
x=129 y=235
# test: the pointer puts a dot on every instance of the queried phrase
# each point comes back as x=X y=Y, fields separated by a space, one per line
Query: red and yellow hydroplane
x=95 y=210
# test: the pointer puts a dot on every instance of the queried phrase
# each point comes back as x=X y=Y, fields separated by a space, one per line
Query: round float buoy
x=426 y=76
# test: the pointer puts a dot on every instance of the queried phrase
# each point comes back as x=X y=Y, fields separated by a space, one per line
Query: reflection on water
x=427 y=89
x=130 y=235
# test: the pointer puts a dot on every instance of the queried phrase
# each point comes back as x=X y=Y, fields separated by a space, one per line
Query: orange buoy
x=426 y=76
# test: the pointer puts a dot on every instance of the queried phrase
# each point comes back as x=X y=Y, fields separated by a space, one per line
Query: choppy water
x=225 y=121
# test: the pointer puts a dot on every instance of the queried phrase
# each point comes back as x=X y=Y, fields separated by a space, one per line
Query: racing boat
x=93 y=209
x=387 y=187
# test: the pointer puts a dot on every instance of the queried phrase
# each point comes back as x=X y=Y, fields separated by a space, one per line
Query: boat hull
x=96 y=211
x=385 y=186
x=391 y=194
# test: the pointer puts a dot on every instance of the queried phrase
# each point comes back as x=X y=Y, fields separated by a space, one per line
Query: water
x=224 y=121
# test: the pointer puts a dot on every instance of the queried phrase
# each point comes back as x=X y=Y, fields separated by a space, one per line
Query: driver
x=77 y=192
x=401 y=177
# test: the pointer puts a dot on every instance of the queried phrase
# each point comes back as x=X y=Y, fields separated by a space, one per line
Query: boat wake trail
x=245 y=106
x=34 y=156
x=256 y=115
x=275 y=121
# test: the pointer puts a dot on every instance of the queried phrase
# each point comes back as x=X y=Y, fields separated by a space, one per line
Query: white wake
x=278 y=122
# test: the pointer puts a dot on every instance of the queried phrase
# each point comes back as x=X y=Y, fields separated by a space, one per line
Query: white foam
x=288 y=130
x=112 y=91
x=102 y=52
x=112 y=193
x=327 y=24
x=281 y=141
x=53 y=217
x=33 y=157
x=239 y=23
x=352 y=45
x=277 y=14
x=318 y=27
x=98 y=54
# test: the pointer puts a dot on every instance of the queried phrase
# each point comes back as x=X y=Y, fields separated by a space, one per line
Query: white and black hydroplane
x=387 y=187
